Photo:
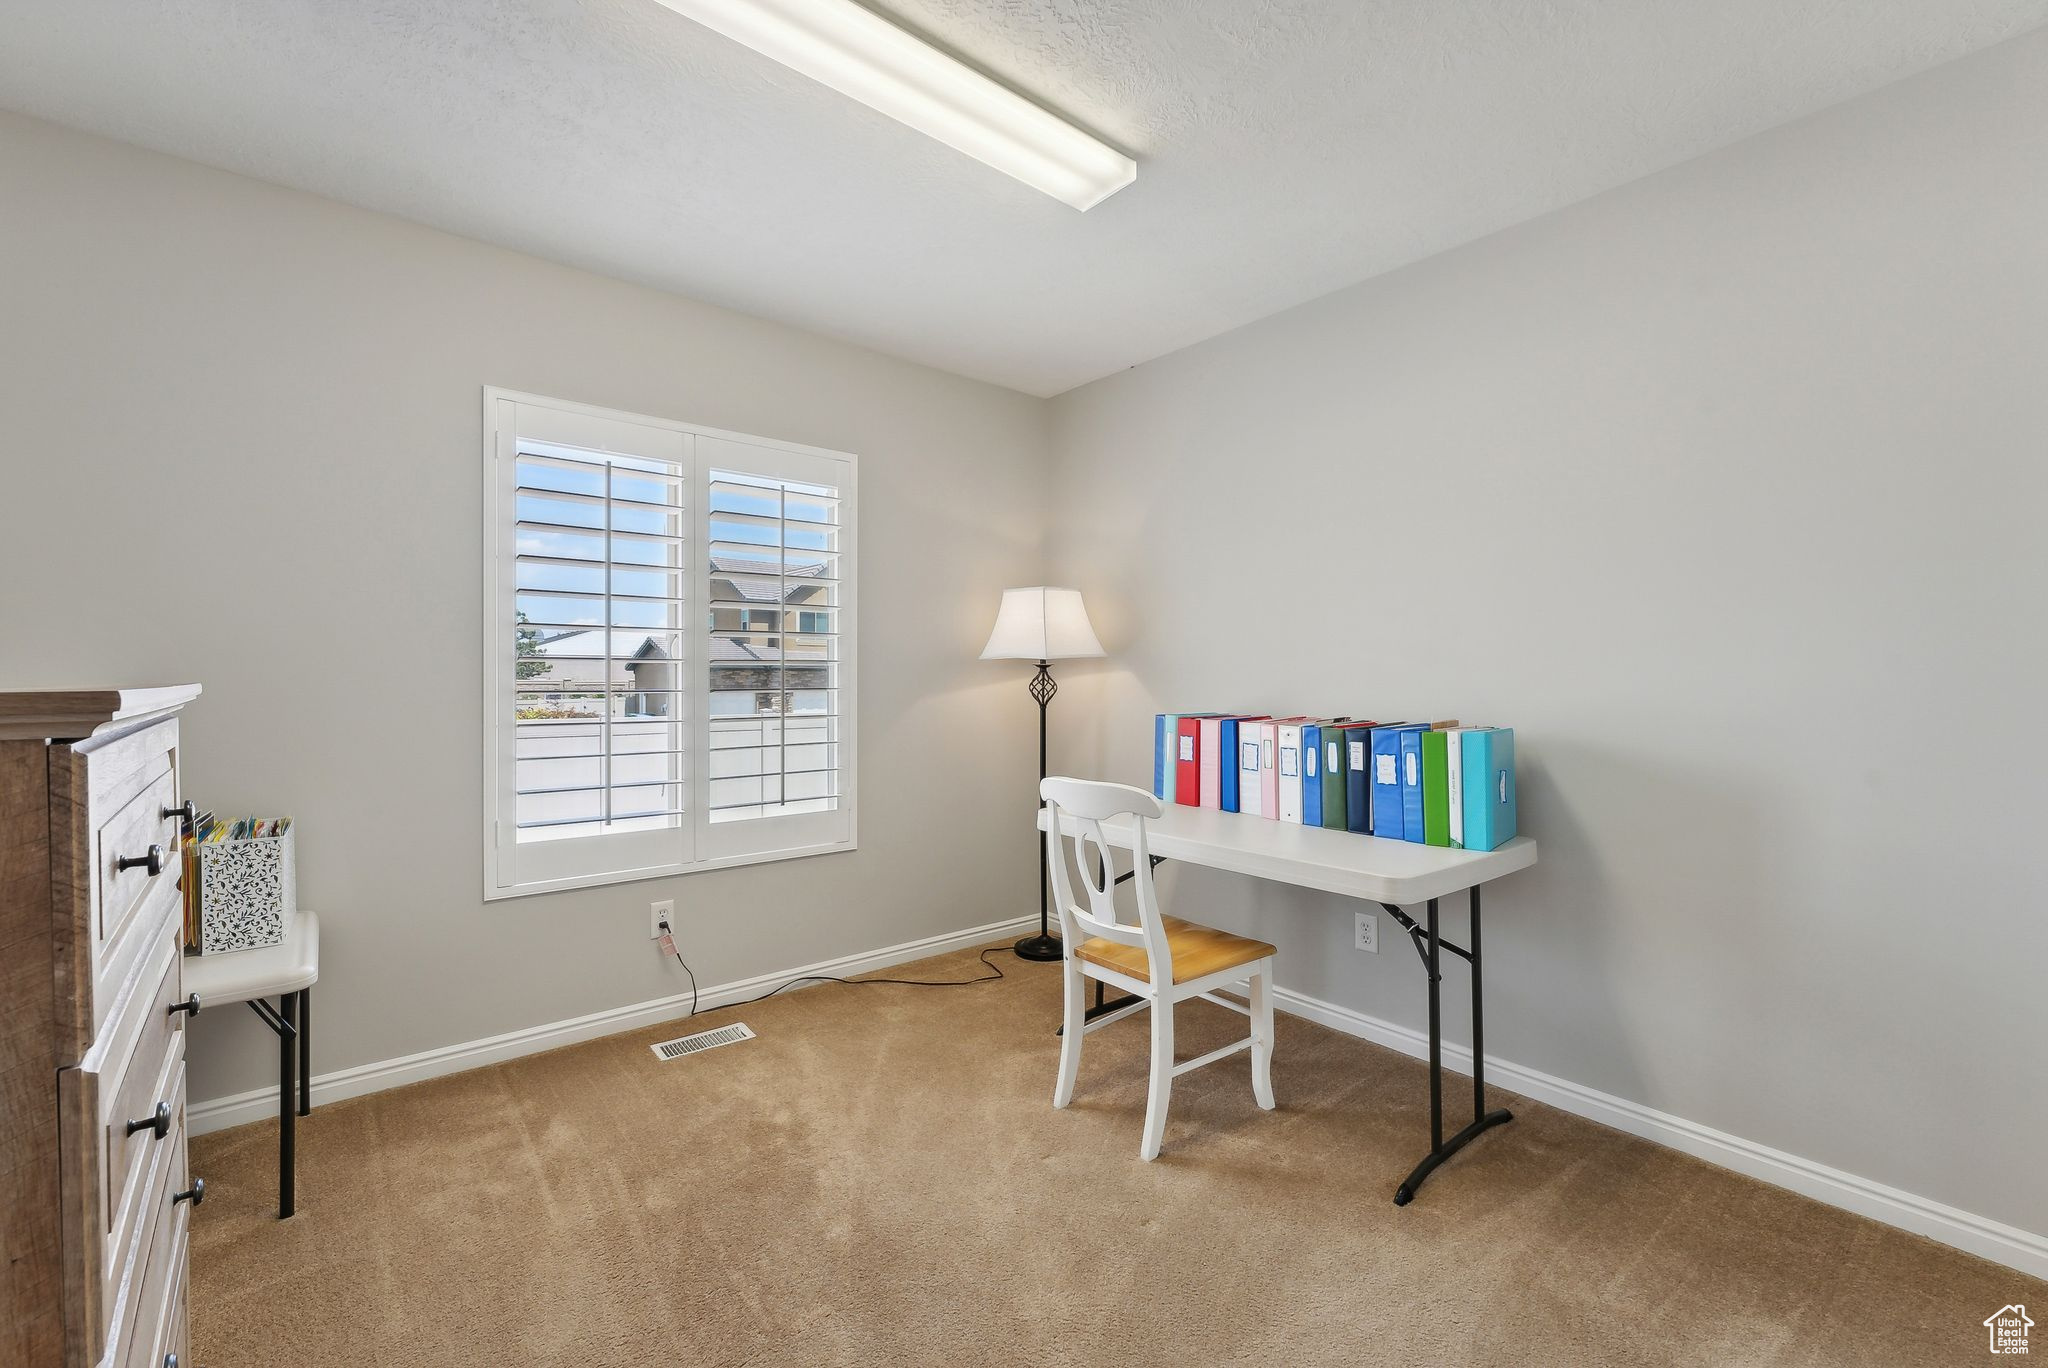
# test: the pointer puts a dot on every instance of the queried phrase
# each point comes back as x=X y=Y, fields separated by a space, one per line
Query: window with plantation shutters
x=668 y=647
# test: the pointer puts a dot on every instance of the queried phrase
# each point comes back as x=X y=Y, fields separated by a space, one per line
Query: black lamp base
x=1040 y=948
x=1043 y=947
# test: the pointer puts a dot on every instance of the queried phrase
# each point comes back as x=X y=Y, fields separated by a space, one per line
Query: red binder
x=1187 y=764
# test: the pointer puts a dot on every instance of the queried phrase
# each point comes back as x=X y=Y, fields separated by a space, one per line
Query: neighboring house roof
x=637 y=646
x=748 y=565
x=727 y=652
x=767 y=577
x=589 y=641
x=632 y=646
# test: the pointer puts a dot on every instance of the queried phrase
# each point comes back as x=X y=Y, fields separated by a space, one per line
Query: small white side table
x=287 y=972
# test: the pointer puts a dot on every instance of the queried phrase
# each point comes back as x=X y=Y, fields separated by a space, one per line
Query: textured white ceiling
x=1285 y=147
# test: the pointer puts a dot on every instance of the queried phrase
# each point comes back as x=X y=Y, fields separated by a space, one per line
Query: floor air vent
x=703 y=1040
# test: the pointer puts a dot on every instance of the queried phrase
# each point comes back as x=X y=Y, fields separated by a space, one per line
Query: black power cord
x=688 y=970
x=995 y=972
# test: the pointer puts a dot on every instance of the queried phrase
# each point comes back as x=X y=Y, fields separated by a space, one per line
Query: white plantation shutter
x=777 y=545
x=668 y=647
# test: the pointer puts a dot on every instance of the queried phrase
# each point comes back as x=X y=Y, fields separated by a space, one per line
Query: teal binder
x=1489 y=784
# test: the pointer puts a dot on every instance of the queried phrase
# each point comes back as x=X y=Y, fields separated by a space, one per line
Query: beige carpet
x=881 y=1179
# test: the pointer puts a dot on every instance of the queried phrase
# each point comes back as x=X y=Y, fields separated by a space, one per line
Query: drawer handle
x=153 y=862
x=185 y=814
x=190 y=1007
x=158 y=1121
x=194 y=1194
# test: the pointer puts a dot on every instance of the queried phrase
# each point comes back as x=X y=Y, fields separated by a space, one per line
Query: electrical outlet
x=1367 y=936
x=657 y=913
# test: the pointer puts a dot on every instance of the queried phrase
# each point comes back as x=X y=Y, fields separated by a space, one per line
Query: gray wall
x=243 y=447
x=1726 y=490
x=1723 y=488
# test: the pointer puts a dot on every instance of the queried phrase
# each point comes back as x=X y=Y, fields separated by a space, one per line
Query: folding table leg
x=287 y=1056
x=1430 y=945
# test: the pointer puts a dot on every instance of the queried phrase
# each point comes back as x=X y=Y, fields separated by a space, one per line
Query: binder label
x=1503 y=788
x=1413 y=760
x=1288 y=762
x=1384 y=772
x=1250 y=759
x=1187 y=748
x=1309 y=757
x=1358 y=755
x=1331 y=763
x=1265 y=755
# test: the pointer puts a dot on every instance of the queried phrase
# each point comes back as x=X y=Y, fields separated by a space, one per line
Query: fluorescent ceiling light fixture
x=858 y=53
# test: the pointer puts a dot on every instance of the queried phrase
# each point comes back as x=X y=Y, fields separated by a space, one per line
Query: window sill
x=497 y=893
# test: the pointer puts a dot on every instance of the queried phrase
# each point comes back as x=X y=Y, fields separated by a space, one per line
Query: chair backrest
x=1083 y=805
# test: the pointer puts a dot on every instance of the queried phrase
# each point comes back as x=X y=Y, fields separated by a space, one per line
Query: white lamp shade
x=1041 y=624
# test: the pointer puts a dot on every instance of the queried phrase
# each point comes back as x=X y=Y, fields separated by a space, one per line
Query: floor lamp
x=1043 y=625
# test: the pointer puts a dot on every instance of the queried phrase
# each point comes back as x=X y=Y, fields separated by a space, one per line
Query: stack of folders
x=206 y=829
x=1434 y=783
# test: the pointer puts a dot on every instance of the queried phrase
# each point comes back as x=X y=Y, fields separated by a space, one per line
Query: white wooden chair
x=1161 y=961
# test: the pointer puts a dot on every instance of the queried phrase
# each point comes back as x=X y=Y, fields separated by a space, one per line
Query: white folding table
x=287 y=972
x=1391 y=873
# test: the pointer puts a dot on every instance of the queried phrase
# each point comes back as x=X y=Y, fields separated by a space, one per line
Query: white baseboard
x=221 y=1112
x=1979 y=1235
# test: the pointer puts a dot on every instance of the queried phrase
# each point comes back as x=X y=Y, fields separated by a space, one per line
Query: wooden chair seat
x=1198 y=951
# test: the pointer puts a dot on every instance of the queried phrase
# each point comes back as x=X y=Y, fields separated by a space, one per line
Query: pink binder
x=1211 y=757
x=1269 y=764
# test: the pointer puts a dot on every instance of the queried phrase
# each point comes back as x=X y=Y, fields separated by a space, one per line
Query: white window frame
x=696 y=843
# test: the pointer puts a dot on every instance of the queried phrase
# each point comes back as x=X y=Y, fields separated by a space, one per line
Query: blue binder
x=1358 y=779
x=1386 y=782
x=1227 y=763
x=1311 y=775
x=1165 y=751
x=1489 y=783
x=1411 y=784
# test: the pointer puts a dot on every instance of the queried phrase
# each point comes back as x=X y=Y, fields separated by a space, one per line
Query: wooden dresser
x=93 y=1181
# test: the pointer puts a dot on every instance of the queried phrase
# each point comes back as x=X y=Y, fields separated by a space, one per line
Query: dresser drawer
x=156 y=1325
x=146 y=1087
x=143 y=1256
x=180 y=1342
x=136 y=858
x=108 y=809
x=113 y=1178
x=181 y=1332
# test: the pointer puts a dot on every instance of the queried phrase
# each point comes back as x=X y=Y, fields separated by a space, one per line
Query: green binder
x=1436 y=790
x=1333 y=775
